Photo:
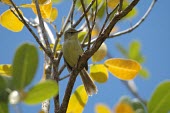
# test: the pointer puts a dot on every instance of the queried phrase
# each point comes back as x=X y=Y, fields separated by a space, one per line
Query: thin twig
x=61 y=69
x=29 y=28
x=82 y=16
x=137 y=24
x=72 y=14
x=41 y=23
x=120 y=5
x=87 y=22
x=107 y=12
x=134 y=93
x=107 y=18
x=68 y=17
x=64 y=77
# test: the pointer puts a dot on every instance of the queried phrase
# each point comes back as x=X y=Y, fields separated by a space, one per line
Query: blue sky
x=153 y=34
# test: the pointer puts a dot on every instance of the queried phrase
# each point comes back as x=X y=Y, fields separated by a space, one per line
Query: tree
x=92 y=38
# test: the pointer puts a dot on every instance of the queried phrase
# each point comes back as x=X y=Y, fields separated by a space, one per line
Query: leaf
x=2 y=83
x=40 y=92
x=100 y=53
x=78 y=100
x=134 y=52
x=54 y=14
x=10 y=21
x=25 y=64
x=94 y=32
x=81 y=36
x=56 y=1
x=101 y=9
x=144 y=73
x=3 y=107
x=6 y=2
x=45 y=8
x=160 y=100
x=112 y=3
x=122 y=50
x=101 y=108
x=124 y=69
x=132 y=13
x=134 y=49
x=5 y=69
x=5 y=83
x=124 y=108
x=99 y=73
x=138 y=106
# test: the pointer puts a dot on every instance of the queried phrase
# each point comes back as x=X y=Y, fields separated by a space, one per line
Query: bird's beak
x=79 y=30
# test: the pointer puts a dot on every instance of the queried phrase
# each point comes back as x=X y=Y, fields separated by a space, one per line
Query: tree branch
x=82 y=16
x=137 y=24
x=29 y=29
x=43 y=31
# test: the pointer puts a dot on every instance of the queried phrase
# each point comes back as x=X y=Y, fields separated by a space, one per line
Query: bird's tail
x=89 y=85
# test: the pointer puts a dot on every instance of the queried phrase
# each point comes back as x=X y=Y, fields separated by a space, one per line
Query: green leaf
x=3 y=107
x=122 y=50
x=5 y=83
x=42 y=91
x=160 y=100
x=132 y=13
x=101 y=10
x=144 y=73
x=2 y=83
x=134 y=49
x=81 y=36
x=138 y=106
x=135 y=52
x=24 y=65
x=56 y=1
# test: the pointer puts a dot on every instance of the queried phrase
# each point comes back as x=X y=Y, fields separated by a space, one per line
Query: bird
x=72 y=51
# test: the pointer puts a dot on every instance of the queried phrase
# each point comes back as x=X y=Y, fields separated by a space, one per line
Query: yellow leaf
x=45 y=8
x=99 y=73
x=124 y=108
x=124 y=69
x=78 y=100
x=10 y=21
x=112 y=3
x=5 y=69
x=94 y=32
x=101 y=108
x=100 y=53
x=6 y=2
x=54 y=14
x=42 y=1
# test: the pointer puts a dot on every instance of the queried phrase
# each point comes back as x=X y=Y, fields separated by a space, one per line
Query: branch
x=133 y=92
x=137 y=24
x=68 y=17
x=30 y=30
x=41 y=22
x=82 y=16
x=87 y=22
x=120 y=5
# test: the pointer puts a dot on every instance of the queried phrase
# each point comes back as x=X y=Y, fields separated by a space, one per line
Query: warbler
x=72 y=50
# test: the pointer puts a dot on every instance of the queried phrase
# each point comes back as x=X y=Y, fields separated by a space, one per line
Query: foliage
x=23 y=70
x=99 y=25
